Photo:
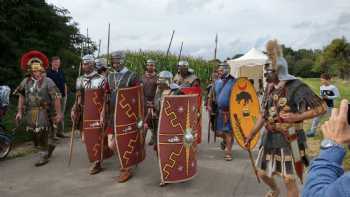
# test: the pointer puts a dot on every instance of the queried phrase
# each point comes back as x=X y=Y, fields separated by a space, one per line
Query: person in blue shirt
x=326 y=177
x=222 y=88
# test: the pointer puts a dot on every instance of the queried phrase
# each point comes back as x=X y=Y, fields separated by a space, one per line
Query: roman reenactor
x=149 y=81
x=121 y=78
x=189 y=83
x=287 y=103
x=87 y=109
x=37 y=93
x=165 y=78
x=222 y=90
x=185 y=76
x=211 y=105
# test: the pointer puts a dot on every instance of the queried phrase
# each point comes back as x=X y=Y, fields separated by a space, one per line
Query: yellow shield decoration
x=244 y=111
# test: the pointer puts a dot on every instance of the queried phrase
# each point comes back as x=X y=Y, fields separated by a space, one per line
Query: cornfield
x=136 y=61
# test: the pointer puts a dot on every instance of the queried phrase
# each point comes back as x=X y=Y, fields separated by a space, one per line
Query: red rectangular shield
x=177 y=147
x=92 y=128
x=128 y=126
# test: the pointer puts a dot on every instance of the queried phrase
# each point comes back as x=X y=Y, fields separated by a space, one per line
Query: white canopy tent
x=250 y=65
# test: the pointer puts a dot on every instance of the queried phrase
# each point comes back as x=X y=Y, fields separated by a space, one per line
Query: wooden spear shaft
x=249 y=152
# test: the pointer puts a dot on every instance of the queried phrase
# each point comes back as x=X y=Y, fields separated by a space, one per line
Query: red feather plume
x=29 y=56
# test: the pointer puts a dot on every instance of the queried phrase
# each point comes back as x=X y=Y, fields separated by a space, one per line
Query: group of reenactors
x=114 y=109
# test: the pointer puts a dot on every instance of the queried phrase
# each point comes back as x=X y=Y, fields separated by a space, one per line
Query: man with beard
x=185 y=77
x=222 y=91
x=37 y=93
x=287 y=103
x=121 y=78
x=149 y=81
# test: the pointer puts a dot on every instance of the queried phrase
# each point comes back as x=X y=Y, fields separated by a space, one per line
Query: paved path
x=216 y=177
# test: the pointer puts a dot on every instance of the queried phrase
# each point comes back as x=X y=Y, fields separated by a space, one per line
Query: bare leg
x=111 y=142
x=228 y=150
x=271 y=183
x=292 y=188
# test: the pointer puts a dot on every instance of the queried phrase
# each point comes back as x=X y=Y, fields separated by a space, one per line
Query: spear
x=108 y=39
x=171 y=40
x=75 y=122
x=168 y=50
x=180 y=53
x=74 y=126
x=99 y=48
x=81 y=57
x=216 y=46
x=87 y=40
x=238 y=124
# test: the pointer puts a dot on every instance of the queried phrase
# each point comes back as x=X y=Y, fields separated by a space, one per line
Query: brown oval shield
x=244 y=111
x=177 y=146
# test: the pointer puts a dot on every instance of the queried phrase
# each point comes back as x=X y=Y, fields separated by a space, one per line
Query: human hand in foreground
x=337 y=127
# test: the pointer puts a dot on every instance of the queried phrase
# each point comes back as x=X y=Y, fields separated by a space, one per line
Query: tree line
x=333 y=59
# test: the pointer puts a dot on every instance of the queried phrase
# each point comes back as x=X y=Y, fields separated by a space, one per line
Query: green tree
x=34 y=24
x=335 y=58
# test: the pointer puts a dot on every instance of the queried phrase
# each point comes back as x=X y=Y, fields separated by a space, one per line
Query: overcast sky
x=240 y=24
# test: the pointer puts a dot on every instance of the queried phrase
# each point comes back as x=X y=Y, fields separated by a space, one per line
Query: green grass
x=343 y=87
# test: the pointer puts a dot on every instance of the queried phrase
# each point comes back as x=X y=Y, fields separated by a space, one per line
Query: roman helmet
x=277 y=64
x=100 y=63
x=118 y=56
x=34 y=61
x=88 y=59
x=150 y=61
x=183 y=64
x=165 y=77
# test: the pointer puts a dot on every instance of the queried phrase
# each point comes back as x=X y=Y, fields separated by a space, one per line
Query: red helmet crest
x=33 y=56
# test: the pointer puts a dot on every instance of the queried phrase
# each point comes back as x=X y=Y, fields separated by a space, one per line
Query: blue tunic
x=223 y=91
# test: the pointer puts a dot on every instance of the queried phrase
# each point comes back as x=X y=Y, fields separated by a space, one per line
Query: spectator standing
x=55 y=73
x=328 y=92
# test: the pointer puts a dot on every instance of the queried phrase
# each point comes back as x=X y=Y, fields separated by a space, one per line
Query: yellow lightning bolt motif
x=173 y=162
x=131 y=149
x=173 y=118
x=128 y=112
x=98 y=104
x=96 y=148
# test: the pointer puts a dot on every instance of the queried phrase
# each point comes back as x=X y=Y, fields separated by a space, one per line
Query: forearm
x=313 y=112
x=258 y=125
x=324 y=172
x=66 y=90
x=77 y=102
x=58 y=105
x=20 y=107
